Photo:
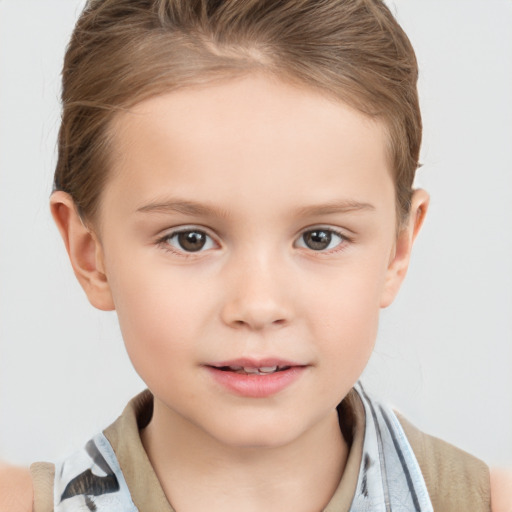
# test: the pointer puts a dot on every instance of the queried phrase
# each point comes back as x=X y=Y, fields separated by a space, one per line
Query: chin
x=248 y=434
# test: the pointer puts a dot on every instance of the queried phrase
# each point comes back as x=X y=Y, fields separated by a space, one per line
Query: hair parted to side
x=124 y=51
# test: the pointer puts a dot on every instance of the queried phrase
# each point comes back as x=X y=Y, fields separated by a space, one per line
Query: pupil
x=191 y=240
x=317 y=240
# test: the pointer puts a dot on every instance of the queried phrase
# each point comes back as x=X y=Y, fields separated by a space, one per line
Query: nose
x=257 y=295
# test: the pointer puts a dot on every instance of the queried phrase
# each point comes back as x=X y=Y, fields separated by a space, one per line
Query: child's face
x=251 y=224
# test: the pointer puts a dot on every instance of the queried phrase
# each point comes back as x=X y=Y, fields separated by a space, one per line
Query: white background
x=444 y=354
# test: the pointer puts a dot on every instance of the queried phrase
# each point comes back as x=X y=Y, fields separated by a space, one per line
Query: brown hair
x=124 y=51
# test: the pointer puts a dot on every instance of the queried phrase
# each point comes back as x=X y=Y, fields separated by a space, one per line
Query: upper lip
x=255 y=363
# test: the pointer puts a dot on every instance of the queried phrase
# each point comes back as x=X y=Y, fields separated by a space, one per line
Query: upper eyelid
x=343 y=232
x=169 y=232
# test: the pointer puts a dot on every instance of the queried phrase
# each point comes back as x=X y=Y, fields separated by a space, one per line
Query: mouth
x=253 y=370
x=254 y=366
x=256 y=378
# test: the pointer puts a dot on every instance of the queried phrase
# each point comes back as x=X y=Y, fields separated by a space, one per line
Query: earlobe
x=400 y=261
x=84 y=250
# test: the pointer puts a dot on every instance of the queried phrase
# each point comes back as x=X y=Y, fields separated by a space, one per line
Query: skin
x=501 y=490
x=15 y=489
x=254 y=164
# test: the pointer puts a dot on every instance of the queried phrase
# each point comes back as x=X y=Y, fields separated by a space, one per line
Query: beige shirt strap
x=42 y=480
x=145 y=489
x=455 y=480
x=344 y=494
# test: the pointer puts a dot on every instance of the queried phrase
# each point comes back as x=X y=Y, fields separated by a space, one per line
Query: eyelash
x=164 y=241
x=341 y=246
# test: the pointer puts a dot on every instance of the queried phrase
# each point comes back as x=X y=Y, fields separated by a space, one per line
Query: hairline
x=200 y=81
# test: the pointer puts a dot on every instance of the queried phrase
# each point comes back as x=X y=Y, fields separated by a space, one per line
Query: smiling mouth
x=252 y=378
x=250 y=370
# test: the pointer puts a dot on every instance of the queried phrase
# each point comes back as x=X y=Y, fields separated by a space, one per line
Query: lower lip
x=256 y=386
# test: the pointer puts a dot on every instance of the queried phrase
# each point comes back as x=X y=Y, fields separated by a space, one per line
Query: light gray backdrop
x=444 y=355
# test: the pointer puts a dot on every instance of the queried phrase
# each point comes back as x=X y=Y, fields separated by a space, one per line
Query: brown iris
x=191 y=241
x=317 y=239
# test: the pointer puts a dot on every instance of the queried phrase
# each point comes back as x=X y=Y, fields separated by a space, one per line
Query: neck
x=301 y=475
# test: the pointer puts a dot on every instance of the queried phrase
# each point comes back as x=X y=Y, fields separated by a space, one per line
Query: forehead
x=247 y=138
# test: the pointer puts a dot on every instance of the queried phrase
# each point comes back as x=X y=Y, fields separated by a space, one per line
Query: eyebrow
x=184 y=207
x=330 y=208
x=200 y=209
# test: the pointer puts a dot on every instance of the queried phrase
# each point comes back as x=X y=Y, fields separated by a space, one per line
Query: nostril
x=255 y=313
x=258 y=325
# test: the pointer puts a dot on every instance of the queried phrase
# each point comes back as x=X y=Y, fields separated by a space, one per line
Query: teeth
x=250 y=370
x=268 y=369
x=264 y=370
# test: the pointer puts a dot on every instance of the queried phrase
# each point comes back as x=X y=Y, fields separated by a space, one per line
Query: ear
x=84 y=250
x=402 y=254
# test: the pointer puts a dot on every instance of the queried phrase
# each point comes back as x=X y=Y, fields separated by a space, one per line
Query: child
x=235 y=180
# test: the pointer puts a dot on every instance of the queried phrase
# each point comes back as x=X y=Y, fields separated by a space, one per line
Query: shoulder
x=455 y=479
x=501 y=490
x=16 y=494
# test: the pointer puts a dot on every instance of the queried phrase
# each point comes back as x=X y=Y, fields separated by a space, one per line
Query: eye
x=320 y=239
x=190 y=240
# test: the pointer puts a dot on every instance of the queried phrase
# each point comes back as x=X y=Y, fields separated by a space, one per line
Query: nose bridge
x=257 y=294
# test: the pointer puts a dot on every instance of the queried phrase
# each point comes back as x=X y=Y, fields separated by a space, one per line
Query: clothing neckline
x=146 y=490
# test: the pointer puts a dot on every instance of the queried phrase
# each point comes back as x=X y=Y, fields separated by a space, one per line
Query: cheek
x=158 y=316
x=351 y=325
x=347 y=316
x=349 y=343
